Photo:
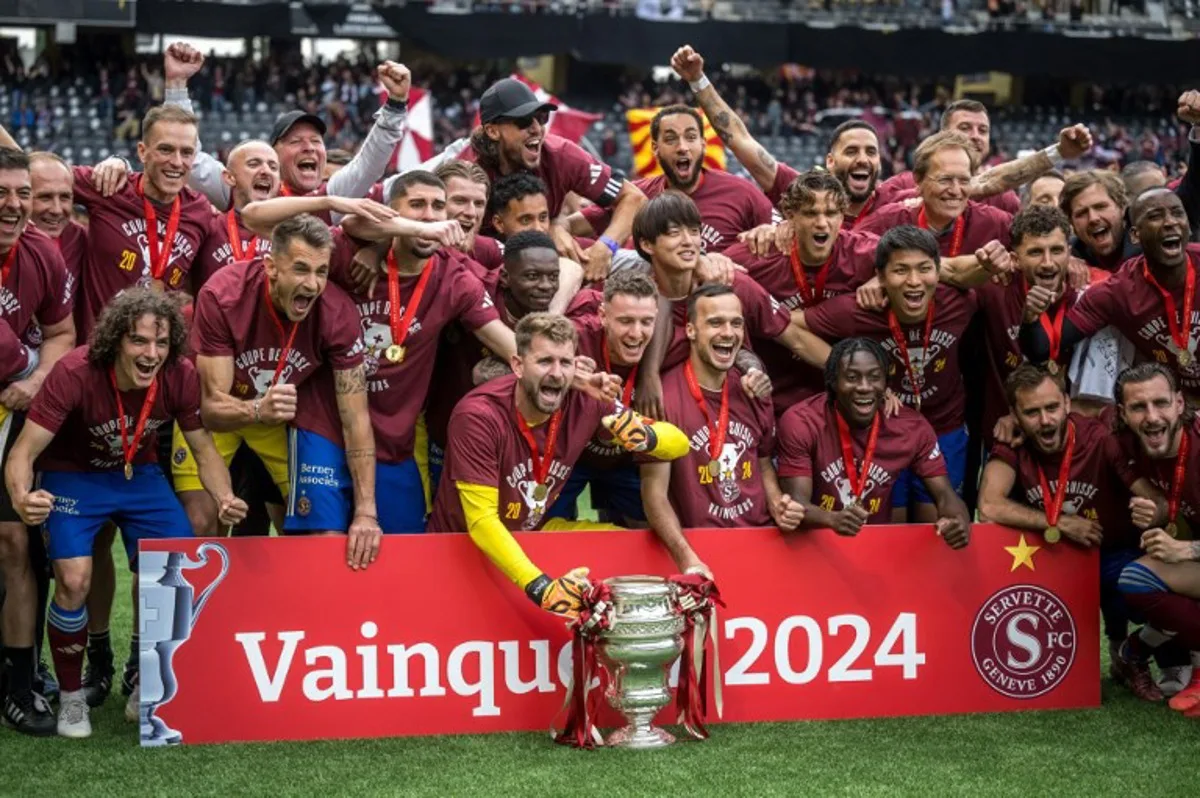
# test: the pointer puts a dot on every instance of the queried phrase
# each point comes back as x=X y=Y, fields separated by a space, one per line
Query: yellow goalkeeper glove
x=631 y=431
x=561 y=596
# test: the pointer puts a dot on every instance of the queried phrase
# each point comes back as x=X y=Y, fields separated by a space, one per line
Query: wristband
x=397 y=105
x=612 y=245
x=1055 y=155
x=537 y=588
x=700 y=85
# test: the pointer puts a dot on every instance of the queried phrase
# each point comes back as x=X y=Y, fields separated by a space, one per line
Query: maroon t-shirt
x=728 y=205
x=810 y=446
x=883 y=195
x=72 y=243
x=1094 y=489
x=565 y=167
x=36 y=293
x=943 y=398
x=982 y=224
x=77 y=403
x=851 y=264
x=1130 y=303
x=765 y=319
x=232 y=319
x=1003 y=308
x=118 y=252
x=487 y=253
x=602 y=451
x=397 y=390
x=1134 y=463
x=904 y=185
x=735 y=497
x=218 y=253
x=486 y=448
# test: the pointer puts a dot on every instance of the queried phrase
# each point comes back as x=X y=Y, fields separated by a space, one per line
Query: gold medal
x=540 y=492
x=1052 y=367
x=850 y=505
x=1184 y=357
x=1173 y=529
x=129 y=471
x=395 y=353
x=714 y=468
x=1052 y=535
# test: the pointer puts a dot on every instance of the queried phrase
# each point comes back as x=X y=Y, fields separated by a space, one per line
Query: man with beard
x=512 y=137
x=839 y=452
x=1061 y=481
x=614 y=339
x=1096 y=201
x=1046 y=190
x=728 y=204
x=921 y=328
x=1149 y=300
x=426 y=288
x=91 y=430
x=299 y=138
x=727 y=478
x=1160 y=444
x=825 y=260
x=35 y=331
x=513 y=444
x=252 y=176
x=263 y=328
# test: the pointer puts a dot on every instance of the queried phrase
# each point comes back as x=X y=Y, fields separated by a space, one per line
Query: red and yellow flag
x=644 y=162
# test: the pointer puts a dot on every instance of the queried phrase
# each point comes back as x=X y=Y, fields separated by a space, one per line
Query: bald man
x=252 y=174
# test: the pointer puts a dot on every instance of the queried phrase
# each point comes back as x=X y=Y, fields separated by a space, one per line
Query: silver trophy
x=644 y=636
x=167 y=612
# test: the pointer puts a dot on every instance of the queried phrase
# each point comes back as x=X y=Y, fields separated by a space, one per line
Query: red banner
x=277 y=639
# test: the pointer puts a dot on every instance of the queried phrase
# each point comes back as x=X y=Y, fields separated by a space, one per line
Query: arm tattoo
x=350 y=381
x=765 y=159
x=1012 y=175
x=356 y=454
x=746 y=360
x=721 y=124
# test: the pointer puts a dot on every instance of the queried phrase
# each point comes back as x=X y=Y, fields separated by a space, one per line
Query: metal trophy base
x=642 y=739
x=154 y=733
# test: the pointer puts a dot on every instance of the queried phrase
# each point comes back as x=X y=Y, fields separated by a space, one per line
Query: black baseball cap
x=285 y=121
x=510 y=99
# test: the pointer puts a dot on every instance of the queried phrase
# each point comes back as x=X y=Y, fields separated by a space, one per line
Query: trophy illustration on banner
x=634 y=627
x=167 y=612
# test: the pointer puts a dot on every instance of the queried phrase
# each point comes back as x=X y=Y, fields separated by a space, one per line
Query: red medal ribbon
x=716 y=437
x=1053 y=503
x=866 y=210
x=235 y=238
x=400 y=324
x=1181 y=330
x=159 y=257
x=627 y=391
x=858 y=479
x=1177 y=477
x=809 y=297
x=288 y=339
x=902 y=342
x=582 y=705
x=130 y=447
x=956 y=238
x=10 y=259
x=541 y=464
x=285 y=190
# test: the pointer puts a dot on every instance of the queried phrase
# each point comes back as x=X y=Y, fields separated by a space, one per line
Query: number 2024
x=902 y=636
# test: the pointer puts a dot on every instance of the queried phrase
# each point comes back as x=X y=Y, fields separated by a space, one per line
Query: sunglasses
x=542 y=117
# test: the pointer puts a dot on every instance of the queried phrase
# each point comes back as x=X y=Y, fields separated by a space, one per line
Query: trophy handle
x=202 y=552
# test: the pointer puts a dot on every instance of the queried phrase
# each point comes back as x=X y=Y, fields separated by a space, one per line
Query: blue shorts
x=321 y=498
x=615 y=491
x=910 y=489
x=144 y=507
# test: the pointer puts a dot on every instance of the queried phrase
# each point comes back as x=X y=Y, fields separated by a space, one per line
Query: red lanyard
x=395 y=352
x=898 y=335
x=541 y=465
x=1181 y=330
x=866 y=210
x=858 y=479
x=956 y=239
x=1053 y=325
x=1054 y=502
x=290 y=337
x=235 y=238
x=1177 y=482
x=285 y=191
x=627 y=392
x=10 y=259
x=159 y=258
x=716 y=436
x=130 y=447
x=809 y=297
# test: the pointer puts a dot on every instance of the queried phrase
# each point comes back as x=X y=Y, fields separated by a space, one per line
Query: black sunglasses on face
x=542 y=117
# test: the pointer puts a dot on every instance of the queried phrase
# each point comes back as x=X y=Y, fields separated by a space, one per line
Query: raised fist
x=396 y=79
x=181 y=61
x=688 y=64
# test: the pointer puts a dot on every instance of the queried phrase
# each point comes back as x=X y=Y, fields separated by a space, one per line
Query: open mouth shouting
x=550 y=394
x=262 y=188
x=915 y=300
x=685 y=171
x=864 y=405
x=630 y=349
x=1048 y=438
x=302 y=303
x=532 y=150
x=724 y=350
x=309 y=169
x=144 y=371
x=821 y=240
x=1101 y=235
x=10 y=223
x=1048 y=277
x=1156 y=438
x=858 y=182
x=1172 y=244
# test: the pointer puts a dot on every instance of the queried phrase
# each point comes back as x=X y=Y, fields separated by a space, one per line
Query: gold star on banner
x=1022 y=554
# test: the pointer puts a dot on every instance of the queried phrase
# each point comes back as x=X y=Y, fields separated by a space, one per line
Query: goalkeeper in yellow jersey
x=513 y=442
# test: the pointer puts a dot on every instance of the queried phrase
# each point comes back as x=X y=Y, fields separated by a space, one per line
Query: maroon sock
x=1170 y=612
x=67 y=630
